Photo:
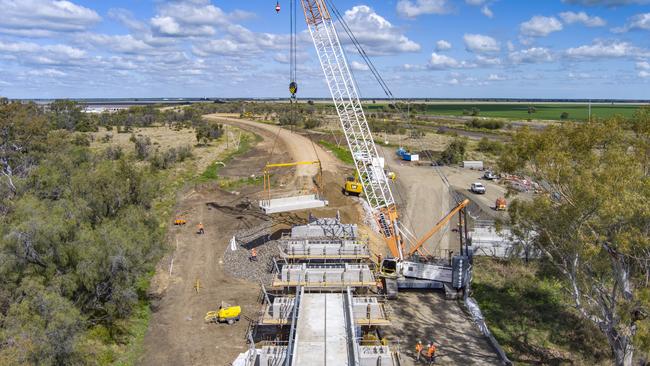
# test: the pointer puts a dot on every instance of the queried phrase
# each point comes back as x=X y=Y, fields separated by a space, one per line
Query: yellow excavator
x=353 y=186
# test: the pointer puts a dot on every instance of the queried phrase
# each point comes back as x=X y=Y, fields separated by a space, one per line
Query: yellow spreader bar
x=283 y=165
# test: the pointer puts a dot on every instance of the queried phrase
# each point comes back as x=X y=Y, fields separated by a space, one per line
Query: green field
x=543 y=111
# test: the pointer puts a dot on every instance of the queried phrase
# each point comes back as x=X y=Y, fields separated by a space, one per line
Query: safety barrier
x=472 y=307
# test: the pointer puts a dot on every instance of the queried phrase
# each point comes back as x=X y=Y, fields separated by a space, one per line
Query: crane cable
x=293 y=75
x=293 y=47
x=293 y=100
x=384 y=85
x=387 y=91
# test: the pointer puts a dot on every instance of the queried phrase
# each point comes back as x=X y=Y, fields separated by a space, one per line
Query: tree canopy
x=77 y=237
x=593 y=223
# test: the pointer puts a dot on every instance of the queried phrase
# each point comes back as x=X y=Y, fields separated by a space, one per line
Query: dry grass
x=165 y=138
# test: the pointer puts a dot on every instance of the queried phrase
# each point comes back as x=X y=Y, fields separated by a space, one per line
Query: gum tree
x=593 y=222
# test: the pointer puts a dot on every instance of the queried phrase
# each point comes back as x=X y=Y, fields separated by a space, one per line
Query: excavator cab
x=353 y=186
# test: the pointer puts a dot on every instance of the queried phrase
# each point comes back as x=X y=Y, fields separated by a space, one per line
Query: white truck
x=477 y=188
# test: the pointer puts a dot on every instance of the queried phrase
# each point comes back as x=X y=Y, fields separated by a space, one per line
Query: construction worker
x=200 y=231
x=253 y=255
x=431 y=353
x=418 y=351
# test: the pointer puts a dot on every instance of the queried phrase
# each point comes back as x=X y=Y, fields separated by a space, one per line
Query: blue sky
x=423 y=48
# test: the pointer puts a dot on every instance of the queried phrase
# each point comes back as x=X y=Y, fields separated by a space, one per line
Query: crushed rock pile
x=238 y=264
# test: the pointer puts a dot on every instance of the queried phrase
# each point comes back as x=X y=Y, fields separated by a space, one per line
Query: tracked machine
x=408 y=266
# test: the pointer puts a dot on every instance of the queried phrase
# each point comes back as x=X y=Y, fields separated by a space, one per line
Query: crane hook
x=277 y=7
x=293 y=88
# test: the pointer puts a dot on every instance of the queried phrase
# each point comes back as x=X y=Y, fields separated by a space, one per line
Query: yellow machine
x=353 y=186
x=225 y=314
x=501 y=204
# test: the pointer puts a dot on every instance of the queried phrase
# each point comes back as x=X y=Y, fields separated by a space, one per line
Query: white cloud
x=126 y=18
x=531 y=56
x=284 y=57
x=224 y=47
x=443 y=62
x=442 y=45
x=35 y=54
x=358 y=66
x=195 y=13
x=579 y=75
x=601 y=49
x=496 y=77
x=570 y=17
x=644 y=74
x=480 y=43
x=42 y=18
x=376 y=34
x=169 y=26
x=412 y=67
x=485 y=10
x=415 y=8
x=540 y=26
x=116 y=43
x=484 y=4
x=19 y=47
x=488 y=61
x=193 y=18
x=643 y=65
x=639 y=21
x=46 y=72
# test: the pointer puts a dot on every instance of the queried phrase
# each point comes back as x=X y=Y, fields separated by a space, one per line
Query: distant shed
x=473 y=164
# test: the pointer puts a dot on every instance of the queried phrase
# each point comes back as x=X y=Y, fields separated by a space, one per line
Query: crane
x=353 y=121
x=368 y=164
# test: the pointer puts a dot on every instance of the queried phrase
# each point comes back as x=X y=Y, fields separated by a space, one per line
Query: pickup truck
x=477 y=188
x=489 y=175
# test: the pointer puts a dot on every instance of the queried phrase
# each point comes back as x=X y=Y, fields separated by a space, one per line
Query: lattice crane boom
x=353 y=121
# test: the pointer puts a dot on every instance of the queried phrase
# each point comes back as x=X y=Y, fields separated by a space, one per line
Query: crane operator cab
x=388 y=266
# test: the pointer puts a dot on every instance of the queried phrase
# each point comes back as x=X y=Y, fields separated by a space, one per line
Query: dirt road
x=426 y=315
x=461 y=179
x=298 y=147
x=423 y=201
x=177 y=333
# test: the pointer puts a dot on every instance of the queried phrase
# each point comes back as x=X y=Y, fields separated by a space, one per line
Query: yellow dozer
x=225 y=314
